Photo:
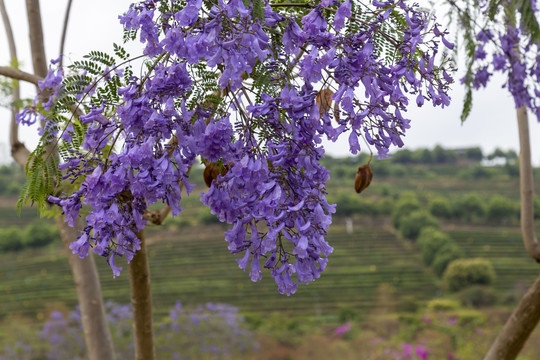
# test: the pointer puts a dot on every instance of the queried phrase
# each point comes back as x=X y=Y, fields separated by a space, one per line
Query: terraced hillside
x=504 y=248
x=194 y=266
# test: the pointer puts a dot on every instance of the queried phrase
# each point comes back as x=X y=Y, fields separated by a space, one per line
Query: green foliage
x=412 y=223
x=407 y=203
x=476 y=172
x=469 y=207
x=478 y=296
x=501 y=208
x=347 y=313
x=466 y=272
x=40 y=234
x=42 y=177
x=442 y=156
x=430 y=241
x=444 y=256
x=350 y=204
x=37 y=234
x=408 y=304
x=474 y=153
x=11 y=239
x=439 y=304
x=441 y=208
x=403 y=157
x=423 y=156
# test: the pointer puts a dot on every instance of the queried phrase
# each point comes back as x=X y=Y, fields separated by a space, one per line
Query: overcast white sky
x=94 y=25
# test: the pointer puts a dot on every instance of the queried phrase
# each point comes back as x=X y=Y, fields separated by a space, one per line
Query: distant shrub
x=429 y=242
x=410 y=225
x=442 y=305
x=403 y=156
x=501 y=208
x=11 y=239
x=466 y=272
x=470 y=318
x=476 y=172
x=39 y=234
x=440 y=207
x=423 y=156
x=470 y=207
x=385 y=206
x=444 y=256
x=348 y=205
x=347 y=313
x=407 y=304
x=385 y=190
x=536 y=207
x=406 y=204
x=381 y=168
x=512 y=170
x=398 y=170
x=478 y=296
x=474 y=154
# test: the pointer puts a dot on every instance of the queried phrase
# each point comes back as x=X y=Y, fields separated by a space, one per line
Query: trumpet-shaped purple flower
x=239 y=89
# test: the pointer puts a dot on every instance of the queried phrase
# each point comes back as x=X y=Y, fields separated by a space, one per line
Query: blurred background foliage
x=427 y=260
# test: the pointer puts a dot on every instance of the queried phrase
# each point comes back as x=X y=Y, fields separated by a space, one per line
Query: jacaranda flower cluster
x=234 y=84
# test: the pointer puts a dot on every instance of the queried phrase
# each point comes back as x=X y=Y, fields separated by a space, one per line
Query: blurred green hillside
x=472 y=198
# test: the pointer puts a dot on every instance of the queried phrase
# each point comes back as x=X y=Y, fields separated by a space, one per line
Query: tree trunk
x=141 y=303
x=518 y=327
x=37 y=45
x=526 y=315
x=96 y=330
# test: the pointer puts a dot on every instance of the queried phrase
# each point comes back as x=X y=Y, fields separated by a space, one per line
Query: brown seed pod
x=364 y=175
x=211 y=172
x=324 y=100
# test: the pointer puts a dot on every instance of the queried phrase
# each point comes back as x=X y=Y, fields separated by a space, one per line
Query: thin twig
x=64 y=32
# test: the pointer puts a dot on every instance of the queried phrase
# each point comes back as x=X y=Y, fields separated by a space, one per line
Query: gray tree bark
x=526 y=315
x=96 y=330
x=141 y=303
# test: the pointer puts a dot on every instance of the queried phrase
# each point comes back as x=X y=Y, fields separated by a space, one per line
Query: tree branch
x=39 y=60
x=19 y=75
x=526 y=186
x=64 y=32
x=18 y=151
x=518 y=327
x=525 y=317
x=141 y=303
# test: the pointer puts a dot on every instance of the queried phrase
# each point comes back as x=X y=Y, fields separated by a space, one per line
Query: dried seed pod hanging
x=364 y=175
x=212 y=170
x=324 y=100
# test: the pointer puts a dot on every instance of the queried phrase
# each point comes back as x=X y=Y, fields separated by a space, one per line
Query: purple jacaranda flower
x=420 y=99
x=480 y=53
x=343 y=12
x=217 y=86
x=189 y=14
